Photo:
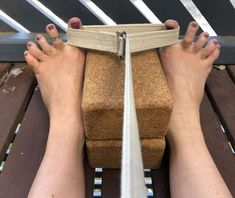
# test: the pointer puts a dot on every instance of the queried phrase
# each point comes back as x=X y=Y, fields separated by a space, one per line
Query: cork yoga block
x=104 y=89
x=107 y=153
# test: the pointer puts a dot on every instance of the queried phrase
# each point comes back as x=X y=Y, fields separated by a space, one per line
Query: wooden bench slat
x=27 y=151
x=111 y=183
x=89 y=178
x=221 y=90
x=160 y=178
x=231 y=71
x=14 y=96
x=217 y=144
x=4 y=69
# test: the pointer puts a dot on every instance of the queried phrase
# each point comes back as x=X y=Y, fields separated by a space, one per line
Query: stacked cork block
x=103 y=107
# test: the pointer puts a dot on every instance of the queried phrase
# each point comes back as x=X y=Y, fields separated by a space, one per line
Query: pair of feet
x=59 y=69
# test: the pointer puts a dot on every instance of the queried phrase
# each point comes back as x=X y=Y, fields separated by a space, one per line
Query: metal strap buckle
x=121 y=44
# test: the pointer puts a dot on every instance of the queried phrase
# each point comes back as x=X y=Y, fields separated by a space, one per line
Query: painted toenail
x=194 y=24
x=51 y=27
x=29 y=44
x=169 y=28
x=38 y=37
x=206 y=35
x=75 y=25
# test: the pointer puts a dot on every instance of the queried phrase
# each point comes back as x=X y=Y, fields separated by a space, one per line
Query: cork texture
x=107 y=153
x=103 y=95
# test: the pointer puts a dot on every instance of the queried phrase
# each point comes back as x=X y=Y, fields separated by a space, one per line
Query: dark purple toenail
x=38 y=37
x=215 y=42
x=51 y=27
x=75 y=25
x=169 y=28
x=29 y=44
x=206 y=35
x=194 y=24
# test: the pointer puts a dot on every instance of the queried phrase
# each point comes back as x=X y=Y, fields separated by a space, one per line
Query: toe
x=41 y=40
x=32 y=62
x=214 y=55
x=75 y=23
x=171 y=24
x=201 y=42
x=190 y=34
x=54 y=34
x=210 y=47
x=36 y=52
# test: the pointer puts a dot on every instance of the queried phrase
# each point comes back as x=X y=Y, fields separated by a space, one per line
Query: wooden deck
x=24 y=128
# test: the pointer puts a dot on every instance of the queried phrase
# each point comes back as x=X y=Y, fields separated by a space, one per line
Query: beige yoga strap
x=105 y=38
x=123 y=40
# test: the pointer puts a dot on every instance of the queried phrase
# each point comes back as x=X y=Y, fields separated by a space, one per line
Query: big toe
x=171 y=24
x=75 y=23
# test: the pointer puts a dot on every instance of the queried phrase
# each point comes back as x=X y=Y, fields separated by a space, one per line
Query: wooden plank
x=89 y=178
x=23 y=13
x=217 y=144
x=73 y=8
x=231 y=71
x=221 y=90
x=14 y=96
x=4 y=69
x=111 y=183
x=216 y=13
x=27 y=151
x=160 y=178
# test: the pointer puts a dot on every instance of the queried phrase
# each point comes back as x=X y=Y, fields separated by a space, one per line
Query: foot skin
x=59 y=70
x=186 y=66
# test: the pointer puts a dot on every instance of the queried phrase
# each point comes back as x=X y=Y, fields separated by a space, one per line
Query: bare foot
x=59 y=70
x=186 y=66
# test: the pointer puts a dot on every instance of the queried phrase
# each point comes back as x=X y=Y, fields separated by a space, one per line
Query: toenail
x=75 y=25
x=206 y=35
x=169 y=28
x=38 y=37
x=29 y=44
x=194 y=24
x=218 y=46
x=25 y=53
x=51 y=27
x=215 y=42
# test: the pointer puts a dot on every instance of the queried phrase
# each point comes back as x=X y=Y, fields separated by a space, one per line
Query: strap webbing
x=104 y=38
x=132 y=175
x=136 y=38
